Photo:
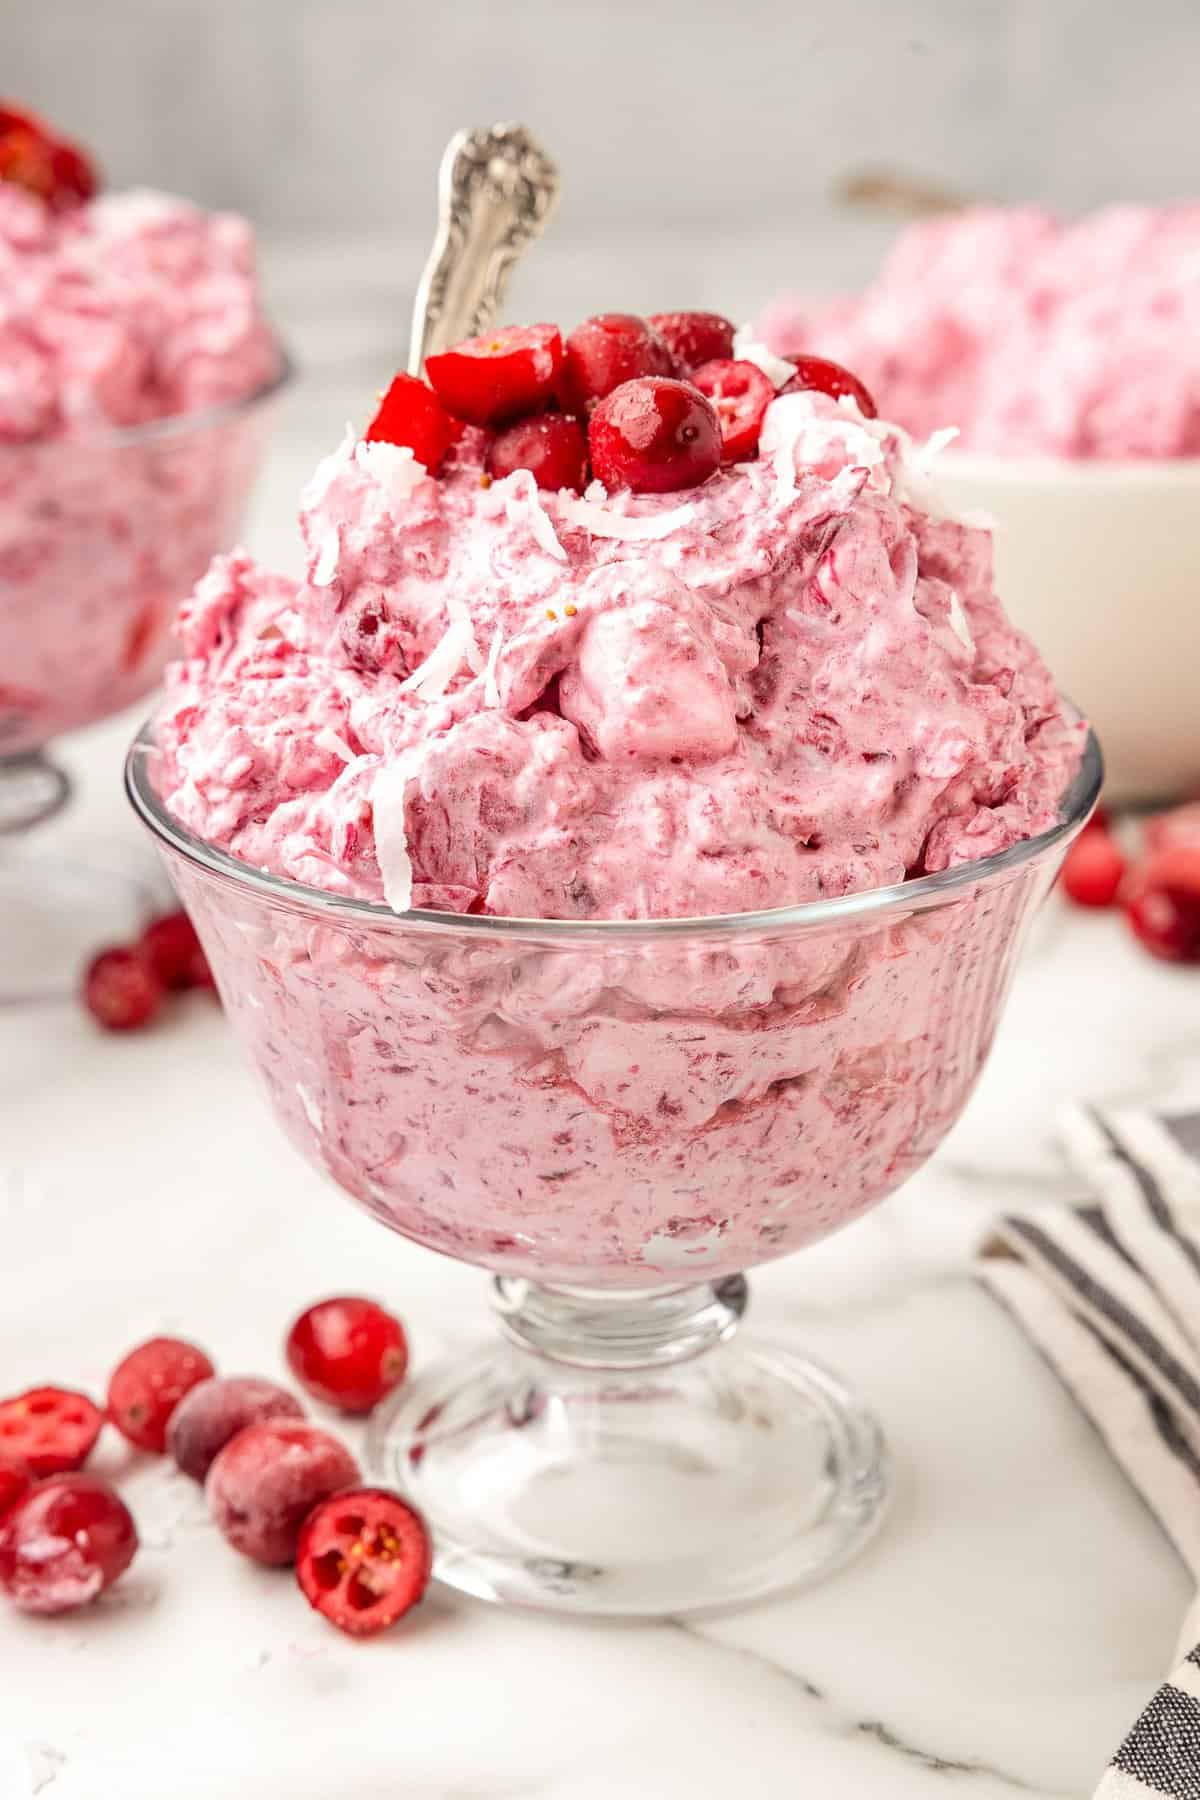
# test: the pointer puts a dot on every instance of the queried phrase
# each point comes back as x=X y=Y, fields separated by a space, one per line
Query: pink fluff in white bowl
x=135 y=364
x=1067 y=358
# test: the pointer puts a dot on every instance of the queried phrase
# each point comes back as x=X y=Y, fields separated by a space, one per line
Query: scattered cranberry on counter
x=214 y=1411
x=411 y=415
x=64 y=1543
x=654 y=435
x=694 y=338
x=500 y=376
x=348 y=1352
x=816 y=374
x=608 y=350
x=1162 y=903
x=121 y=990
x=364 y=1558
x=740 y=394
x=266 y=1481
x=1177 y=829
x=175 y=954
x=52 y=1430
x=148 y=1385
x=16 y=1479
x=34 y=157
x=1094 y=869
x=552 y=446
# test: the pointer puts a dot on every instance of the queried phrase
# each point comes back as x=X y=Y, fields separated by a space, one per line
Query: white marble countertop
x=995 y=1640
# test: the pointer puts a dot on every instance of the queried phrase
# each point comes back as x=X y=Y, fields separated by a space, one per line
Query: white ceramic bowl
x=1100 y=563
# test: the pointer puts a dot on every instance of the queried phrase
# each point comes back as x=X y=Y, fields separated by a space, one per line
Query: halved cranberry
x=551 y=446
x=1093 y=870
x=148 y=1385
x=816 y=374
x=501 y=375
x=605 y=351
x=1162 y=903
x=654 y=435
x=33 y=157
x=266 y=1481
x=694 y=338
x=410 y=414
x=348 y=1352
x=364 y=1558
x=16 y=1479
x=51 y=1429
x=174 y=952
x=740 y=394
x=121 y=990
x=64 y=1543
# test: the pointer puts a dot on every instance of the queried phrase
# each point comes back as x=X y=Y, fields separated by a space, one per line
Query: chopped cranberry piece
x=174 y=952
x=348 y=1352
x=501 y=375
x=50 y=1429
x=1093 y=870
x=654 y=436
x=33 y=157
x=121 y=990
x=363 y=1560
x=605 y=351
x=551 y=446
x=1172 y=830
x=214 y=1411
x=816 y=374
x=740 y=394
x=1162 y=903
x=694 y=338
x=411 y=415
x=148 y=1385
x=64 y=1543
x=16 y=1479
x=266 y=1481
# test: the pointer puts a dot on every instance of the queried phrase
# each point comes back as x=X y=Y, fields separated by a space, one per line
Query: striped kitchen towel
x=1109 y=1291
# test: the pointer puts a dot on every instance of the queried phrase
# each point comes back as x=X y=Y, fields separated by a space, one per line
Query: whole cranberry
x=174 y=952
x=1093 y=870
x=1162 y=903
x=265 y=1482
x=216 y=1410
x=694 y=337
x=551 y=446
x=121 y=990
x=64 y=1543
x=607 y=350
x=654 y=435
x=348 y=1352
x=148 y=1385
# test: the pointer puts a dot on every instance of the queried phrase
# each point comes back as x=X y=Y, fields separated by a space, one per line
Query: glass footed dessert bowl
x=617 y=1120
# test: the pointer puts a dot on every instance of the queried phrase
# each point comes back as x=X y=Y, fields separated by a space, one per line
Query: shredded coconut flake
x=326 y=565
x=958 y=623
x=491 y=689
x=748 y=348
x=394 y=468
x=391 y=837
x=328 y=739
x=523 y=505
x=430 y=679
x=602 y=522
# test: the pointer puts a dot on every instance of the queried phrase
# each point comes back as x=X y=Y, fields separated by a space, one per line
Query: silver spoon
x=496 y=192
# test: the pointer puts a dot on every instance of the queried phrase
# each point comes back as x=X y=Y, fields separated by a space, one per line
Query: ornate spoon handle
x=496 y=190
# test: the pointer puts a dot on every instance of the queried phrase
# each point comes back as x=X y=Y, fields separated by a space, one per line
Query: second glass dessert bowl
x=617 y=1120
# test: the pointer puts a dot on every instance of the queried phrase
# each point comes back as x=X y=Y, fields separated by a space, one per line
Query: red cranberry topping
x=348 y=1352
x=50 y=1429
x=740 y=394
x=501 y=375
x=16 y=1479
x=654 y=436
x=363 y=1560
x=174 y=952
x=265 y=1482
x=694 y=338
x=64 y=1543
x=216 y=1410
x=1093 y=870
x=816 y=374
x=1163 y=904
x=610 y=349
x=32 y=156
x=410 y=414
x=121 y=990
x=551 y=446
x=148 y=1385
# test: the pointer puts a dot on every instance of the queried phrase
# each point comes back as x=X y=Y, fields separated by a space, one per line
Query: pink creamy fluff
x=792 y=683
x=1027 y=333
x=133 y=307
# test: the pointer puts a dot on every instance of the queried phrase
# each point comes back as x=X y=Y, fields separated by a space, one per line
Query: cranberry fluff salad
x=131 y=338
x=648 y=625
x=1030 y=334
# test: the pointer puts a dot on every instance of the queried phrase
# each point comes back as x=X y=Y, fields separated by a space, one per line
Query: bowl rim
x=903 y=897
x=179 y=424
